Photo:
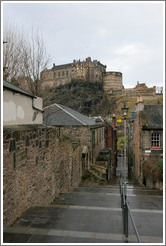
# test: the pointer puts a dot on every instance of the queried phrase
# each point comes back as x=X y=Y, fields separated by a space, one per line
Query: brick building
x=145 y=139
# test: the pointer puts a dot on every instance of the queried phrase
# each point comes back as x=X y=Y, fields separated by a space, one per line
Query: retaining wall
x=39 y=163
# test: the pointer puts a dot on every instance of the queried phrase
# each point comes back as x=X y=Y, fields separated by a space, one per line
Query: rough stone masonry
x=39 y=163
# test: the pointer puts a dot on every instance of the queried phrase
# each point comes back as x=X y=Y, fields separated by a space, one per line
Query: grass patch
x=130 y=103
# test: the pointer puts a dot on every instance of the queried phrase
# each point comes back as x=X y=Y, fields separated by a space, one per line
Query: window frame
x=155 y=140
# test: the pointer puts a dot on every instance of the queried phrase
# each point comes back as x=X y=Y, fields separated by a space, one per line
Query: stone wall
x=39 y=163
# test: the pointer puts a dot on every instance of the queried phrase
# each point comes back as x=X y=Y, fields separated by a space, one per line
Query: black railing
x=126 y=211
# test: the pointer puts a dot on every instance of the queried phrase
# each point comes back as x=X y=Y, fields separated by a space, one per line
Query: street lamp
x=125 y=111
x=121 y=144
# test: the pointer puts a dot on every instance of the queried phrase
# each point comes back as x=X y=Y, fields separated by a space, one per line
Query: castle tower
x=112 y=82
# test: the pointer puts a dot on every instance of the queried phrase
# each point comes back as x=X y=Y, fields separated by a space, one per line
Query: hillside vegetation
x=130 y=103
x=85 y=97
x=90 y=99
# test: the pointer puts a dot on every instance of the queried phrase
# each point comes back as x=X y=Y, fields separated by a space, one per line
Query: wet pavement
x=91 y=214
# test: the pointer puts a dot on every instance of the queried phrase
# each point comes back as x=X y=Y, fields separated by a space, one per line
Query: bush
x=153 y=169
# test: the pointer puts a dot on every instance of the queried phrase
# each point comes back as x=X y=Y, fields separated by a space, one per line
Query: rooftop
x=57 y=114
x=15 y=88
x=152 y=116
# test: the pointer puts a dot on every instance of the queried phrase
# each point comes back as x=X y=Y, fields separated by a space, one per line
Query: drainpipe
x=34 y=107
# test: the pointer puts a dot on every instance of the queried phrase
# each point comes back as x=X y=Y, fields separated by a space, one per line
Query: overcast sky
x=124 y=36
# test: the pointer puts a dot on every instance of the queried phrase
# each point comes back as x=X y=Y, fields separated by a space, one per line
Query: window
x=54 y=74
x=155 y=140
x=63 y=73
x=59 y=74
x=66 y=72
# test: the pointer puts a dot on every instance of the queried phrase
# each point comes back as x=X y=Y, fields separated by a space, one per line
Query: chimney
x=139 y=105
x=113 y=121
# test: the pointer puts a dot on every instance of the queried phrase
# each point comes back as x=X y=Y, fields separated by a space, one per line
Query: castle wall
x=93 y=71
x=112 y=81
x=62 y=74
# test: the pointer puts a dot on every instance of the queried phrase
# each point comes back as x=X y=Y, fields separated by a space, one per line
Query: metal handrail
x=134 y=225
x=126 y=209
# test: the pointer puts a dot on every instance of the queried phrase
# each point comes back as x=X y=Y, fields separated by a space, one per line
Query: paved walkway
x=91 y=215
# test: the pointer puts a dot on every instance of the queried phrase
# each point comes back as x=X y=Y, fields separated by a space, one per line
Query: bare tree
x=24 y=58
x=35 y=60
x=12 y=52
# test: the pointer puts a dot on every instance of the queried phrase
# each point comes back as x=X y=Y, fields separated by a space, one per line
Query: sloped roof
x=57 y=114
x=63 y=66
x=15 y=88
x=152 y=116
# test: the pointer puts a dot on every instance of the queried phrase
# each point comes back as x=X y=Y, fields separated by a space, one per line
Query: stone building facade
x=141 y=89
x=145 y=139
x=62 y=74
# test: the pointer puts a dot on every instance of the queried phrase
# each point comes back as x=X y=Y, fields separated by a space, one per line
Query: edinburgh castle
x=92 y=71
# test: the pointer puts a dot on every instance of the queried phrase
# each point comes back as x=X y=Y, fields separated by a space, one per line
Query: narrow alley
x=91 y=214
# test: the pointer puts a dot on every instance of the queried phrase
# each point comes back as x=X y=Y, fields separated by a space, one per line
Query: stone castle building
x=87 y=70
x=92 y=71
x=62 y=74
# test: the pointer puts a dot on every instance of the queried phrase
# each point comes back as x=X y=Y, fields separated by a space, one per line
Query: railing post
x=122 y=198
x=125 y=190
x=125 y=220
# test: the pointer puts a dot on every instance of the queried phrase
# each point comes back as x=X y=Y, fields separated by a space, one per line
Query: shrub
x=153 y=169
